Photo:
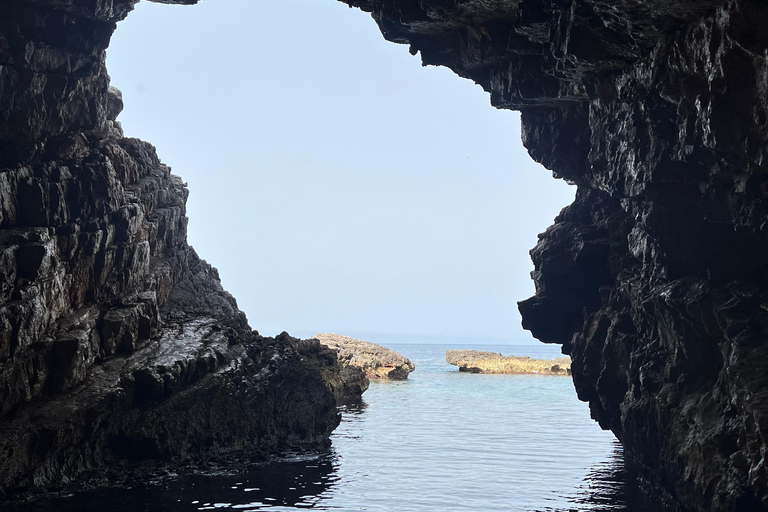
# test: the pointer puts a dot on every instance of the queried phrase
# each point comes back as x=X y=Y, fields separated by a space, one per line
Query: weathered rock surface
x=347 y=382
x=478 y=361
x=120 y=353
x=376 y=361
x=655 y=280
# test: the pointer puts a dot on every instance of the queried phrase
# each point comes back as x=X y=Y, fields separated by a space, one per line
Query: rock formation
x=376 y=361
x=655 y=280
x=119 y=348
x=477 y=361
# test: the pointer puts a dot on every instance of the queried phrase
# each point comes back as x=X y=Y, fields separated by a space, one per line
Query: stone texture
x=120 y=353
x=346 y=382
x=654 y=279
x=477 y=361
x=376 y=361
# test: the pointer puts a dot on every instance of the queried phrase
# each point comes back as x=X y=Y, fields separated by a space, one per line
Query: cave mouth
x=334 y=161
x=653 y=279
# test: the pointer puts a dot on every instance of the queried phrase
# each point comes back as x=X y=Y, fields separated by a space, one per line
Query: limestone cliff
x=119 y=348
x=655 y=279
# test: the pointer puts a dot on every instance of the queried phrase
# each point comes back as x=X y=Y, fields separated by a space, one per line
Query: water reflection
x=289 y=485
x=610 y=487
x=442 y=442
x=353 y=409
x=314 y=483
x=311 y=483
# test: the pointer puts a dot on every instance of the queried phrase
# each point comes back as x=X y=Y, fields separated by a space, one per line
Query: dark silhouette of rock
x=376 y=361
x=346 y=382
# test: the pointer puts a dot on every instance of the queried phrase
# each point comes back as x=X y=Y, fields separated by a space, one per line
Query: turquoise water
x=440 y=441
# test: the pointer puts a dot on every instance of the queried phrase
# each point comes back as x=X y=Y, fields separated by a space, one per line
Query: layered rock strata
x=478 y=361
x=654 y=280
x=120 y=353
x=376 y=361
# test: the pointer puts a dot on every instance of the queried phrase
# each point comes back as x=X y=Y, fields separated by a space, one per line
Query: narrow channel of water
x=441 y=441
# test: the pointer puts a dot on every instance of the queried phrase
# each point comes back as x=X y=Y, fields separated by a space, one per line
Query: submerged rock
x=376 y=361
x=476 y=361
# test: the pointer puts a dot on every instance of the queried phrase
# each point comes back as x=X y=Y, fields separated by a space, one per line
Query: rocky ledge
x=376 y=361
x=476 y=361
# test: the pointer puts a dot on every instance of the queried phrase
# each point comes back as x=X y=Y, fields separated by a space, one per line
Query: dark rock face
x=655 y=279
x=119 y=348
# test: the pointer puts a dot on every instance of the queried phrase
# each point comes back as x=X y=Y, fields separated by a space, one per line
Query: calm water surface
x=440 y=441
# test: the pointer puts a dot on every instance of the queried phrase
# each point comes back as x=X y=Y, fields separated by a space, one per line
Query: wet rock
x=477 y=361
x=376 y=361
x=172 y=405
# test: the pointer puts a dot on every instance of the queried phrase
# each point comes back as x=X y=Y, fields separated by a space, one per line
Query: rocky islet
x=479 y=361
x=376 y=361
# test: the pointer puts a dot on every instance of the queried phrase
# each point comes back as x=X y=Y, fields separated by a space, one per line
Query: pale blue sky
x=336 y=184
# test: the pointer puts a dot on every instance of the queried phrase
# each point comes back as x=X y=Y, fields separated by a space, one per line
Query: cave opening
x=112 y=330
x=336 y=183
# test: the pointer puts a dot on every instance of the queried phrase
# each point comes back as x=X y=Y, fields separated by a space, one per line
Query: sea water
x=443 y=440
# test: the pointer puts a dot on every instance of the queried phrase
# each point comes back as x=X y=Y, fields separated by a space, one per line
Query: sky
x=336 y=184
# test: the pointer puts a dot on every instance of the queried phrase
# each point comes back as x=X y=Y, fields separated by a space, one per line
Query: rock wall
x=120 y=353
x=655 y=280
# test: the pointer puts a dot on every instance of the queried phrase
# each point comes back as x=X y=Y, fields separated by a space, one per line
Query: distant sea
x=441 y=441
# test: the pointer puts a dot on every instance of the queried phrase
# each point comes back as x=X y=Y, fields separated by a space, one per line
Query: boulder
x=376 y=361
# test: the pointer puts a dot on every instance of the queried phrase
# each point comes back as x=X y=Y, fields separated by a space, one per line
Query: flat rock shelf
x=476 y=361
